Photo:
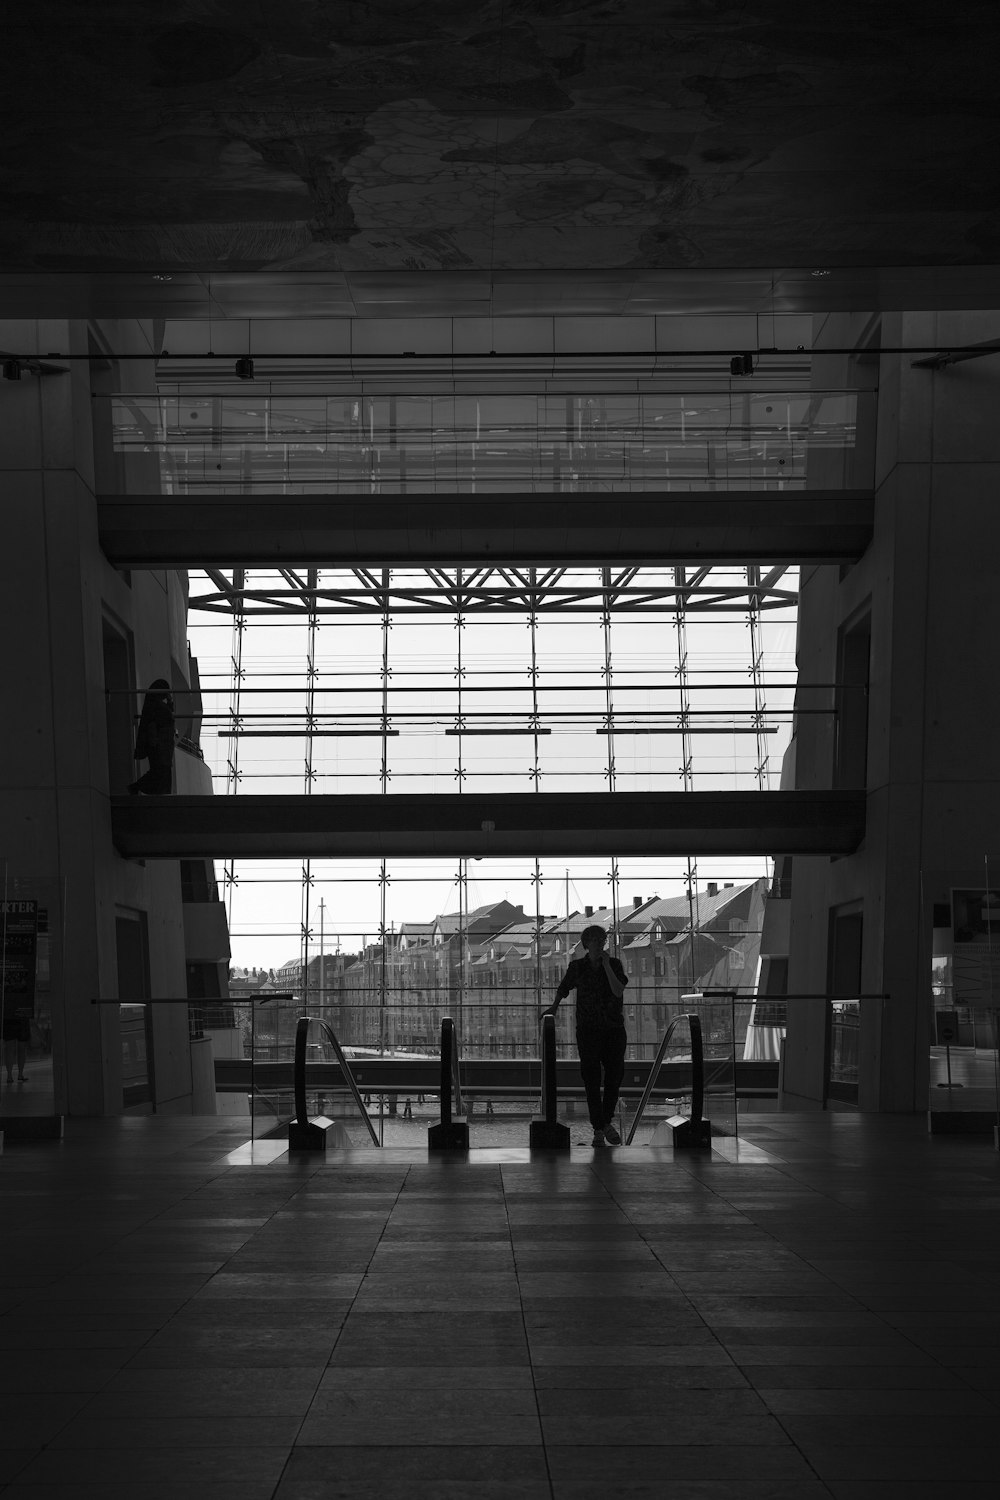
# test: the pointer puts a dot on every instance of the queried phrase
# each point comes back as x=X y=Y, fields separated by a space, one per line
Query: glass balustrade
x=207 y=443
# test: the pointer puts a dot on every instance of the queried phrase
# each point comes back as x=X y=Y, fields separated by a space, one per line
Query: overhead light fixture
x=12 y=369
x=741 y=364
x=244 y=368
x=819 y=273
x=158 y=276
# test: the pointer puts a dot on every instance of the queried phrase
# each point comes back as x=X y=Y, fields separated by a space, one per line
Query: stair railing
x=697 y=1073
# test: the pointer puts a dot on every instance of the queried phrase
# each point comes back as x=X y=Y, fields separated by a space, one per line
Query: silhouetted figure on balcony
x=155 y=742
x=599 y=981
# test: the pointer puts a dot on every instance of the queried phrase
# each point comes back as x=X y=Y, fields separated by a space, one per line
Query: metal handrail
x=547 y=1049
x=299 y=1074
x=449 y=1071
x=697 y=1071
x=345 y=1068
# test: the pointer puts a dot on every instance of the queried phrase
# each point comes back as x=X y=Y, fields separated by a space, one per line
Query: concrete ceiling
x=294 y=156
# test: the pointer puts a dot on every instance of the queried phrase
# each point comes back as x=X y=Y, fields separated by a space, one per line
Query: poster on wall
x=20 y=943
x=975 y=931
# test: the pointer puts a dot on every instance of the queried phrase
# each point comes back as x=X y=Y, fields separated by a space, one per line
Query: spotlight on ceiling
x=12 y=369
x=741 y=364
x=244 y=368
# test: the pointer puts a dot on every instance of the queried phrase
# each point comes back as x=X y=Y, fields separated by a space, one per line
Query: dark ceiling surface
x=397 y=136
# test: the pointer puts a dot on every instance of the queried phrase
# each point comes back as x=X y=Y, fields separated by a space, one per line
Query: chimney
x=636 y=902
x=713 y=889
x=588 y=911
x=728 y=885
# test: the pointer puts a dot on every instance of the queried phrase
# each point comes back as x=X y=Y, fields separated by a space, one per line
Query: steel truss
x=510 y=590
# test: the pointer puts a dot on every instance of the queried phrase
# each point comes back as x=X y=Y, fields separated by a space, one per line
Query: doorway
x=138 y=1091
x=843 y=1050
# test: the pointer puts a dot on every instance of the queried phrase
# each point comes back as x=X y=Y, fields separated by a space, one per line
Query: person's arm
x=567 y=983
x=616 y=981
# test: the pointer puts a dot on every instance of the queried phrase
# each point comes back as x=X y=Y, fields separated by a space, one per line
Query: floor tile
x=186 y=1391
x=639 y=1416
x=666 y=1488
x=382 y=1378
x=422 y=1414
x=870 y=1378
x=111 y=1434
x=257 y=1468
x=614 y=1465
x=351 y=1465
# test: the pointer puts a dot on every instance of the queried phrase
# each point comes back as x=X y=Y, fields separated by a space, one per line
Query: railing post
x=299 y=1072
x=305 y=1134
x=697 y=1070
x=695 y=1131
x=452 y=1131
x=547 y=1134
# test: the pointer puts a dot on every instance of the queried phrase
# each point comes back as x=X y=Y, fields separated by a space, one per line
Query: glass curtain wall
x=439 y=681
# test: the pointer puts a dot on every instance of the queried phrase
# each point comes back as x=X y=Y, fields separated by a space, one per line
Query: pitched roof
x=449 y=922
x=676 y=909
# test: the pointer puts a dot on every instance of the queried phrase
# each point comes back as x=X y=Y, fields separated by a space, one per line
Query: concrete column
x=54 y=808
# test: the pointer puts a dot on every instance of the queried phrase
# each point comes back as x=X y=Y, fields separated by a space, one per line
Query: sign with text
x=20 y=943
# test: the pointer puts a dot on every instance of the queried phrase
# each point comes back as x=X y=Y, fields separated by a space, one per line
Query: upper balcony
x=765 y=438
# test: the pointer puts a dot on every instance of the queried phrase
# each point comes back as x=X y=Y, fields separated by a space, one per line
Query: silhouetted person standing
x=599 y=981
x=155 y=742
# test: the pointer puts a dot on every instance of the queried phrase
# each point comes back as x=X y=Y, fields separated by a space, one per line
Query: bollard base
x=545 y=1137
x=453 y=1137
x=316 y=1134
x=688 y=1132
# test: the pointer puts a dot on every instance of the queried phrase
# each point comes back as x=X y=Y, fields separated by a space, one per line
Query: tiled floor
x=819 y=1316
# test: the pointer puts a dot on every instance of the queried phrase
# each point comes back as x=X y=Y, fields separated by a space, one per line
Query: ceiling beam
x=486 y=824
x=258 y=530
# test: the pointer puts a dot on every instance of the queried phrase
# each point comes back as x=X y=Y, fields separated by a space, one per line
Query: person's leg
x=613 y=1046
x=589 y=1048
x=161 y=766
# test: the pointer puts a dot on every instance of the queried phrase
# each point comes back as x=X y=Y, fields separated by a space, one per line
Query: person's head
x=593 y=939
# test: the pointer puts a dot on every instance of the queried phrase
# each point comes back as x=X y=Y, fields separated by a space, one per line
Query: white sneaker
x=599 y=1138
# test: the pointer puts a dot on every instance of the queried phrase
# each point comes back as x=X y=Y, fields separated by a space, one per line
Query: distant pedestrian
x=599 y=981
x=155 y=742
x=16 y=1036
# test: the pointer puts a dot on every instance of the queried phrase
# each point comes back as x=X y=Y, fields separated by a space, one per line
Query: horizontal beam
x=495 y=1075
x=190 y=531
x=487 y=824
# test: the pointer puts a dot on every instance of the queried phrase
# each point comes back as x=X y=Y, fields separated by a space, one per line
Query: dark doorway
x=844 y=1008
x=135 y=1026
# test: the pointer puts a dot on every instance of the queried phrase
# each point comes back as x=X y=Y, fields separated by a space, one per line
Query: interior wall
x=933 y=782
x=58 y=591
